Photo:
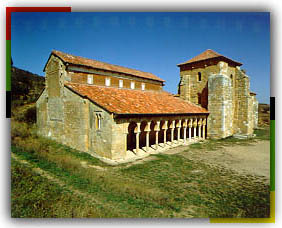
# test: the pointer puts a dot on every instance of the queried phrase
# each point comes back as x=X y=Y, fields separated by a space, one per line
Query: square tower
x=217 y=83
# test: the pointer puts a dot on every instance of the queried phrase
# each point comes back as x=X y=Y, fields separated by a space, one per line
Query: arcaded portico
x=150 y=134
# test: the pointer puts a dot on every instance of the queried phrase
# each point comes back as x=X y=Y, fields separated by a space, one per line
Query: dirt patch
x=253 y=159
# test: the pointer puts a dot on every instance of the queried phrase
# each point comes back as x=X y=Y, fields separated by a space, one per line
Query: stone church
x=121 y=114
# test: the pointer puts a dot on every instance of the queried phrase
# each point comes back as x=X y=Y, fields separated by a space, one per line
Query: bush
x=25 y=114
x=30 y=115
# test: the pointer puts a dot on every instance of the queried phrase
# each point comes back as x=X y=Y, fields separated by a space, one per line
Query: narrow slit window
x=108 y=81
x=199 y=76
x=231 y=76
x=120 y=83
x=98 y=121
x=90 y=79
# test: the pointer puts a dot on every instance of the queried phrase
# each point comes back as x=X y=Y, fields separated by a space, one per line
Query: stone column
x=184 y=130
x=204 y=128
x=172 y=126
x=164 y=127
x=195 y=126
x=157 y=129
x=200 y=128
x=190 y=127
x=125 y=132
x=137 y=131
x=148 y=129
x=178 y=125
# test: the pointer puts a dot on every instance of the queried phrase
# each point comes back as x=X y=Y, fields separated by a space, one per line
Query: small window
x=132 y=85
x=108 y=82
x=120 y=83
x=199 y=76
x=231 y=76
x=98 y=121
x=143 y=86
x=90 y=79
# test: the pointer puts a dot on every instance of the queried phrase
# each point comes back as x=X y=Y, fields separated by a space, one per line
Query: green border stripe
x=8 y=65
x=272 y=155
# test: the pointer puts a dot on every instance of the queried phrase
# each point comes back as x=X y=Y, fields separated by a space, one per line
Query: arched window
x=231 y=76
x=199 y=76
x=98 y=121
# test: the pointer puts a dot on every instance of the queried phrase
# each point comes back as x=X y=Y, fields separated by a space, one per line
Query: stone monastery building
x=117 y=113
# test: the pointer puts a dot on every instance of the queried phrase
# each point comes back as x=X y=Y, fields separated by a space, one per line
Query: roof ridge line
x=128 y=68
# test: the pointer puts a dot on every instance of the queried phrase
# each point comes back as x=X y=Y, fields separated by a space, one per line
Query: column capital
x=185 y=121
x=204 y=122
x=157 y=126
x=200 y=122
x=190 y=123
x=148 y=126
x=164 y=126
x=172 y=125
x=195 y=122
x=137 y=128
x=178 y=125
x=125 y=128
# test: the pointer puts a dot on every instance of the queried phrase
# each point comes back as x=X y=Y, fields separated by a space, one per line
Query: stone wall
x=255 y=113
x=100 y=77
x=41 y=114
x=244 y=104
x=54 y=77
x=220 y=106
x=100 y=139
x=119 y=139
x=76 y=124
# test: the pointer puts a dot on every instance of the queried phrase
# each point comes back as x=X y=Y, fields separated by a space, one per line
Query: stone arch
x=168 y=133
x=142 y=139
x=182 y=129
x=152 y=134
x=131 y=137
x=176 y=129
x=162 y=131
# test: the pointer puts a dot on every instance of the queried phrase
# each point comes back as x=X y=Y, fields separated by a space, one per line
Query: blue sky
x=151 y=42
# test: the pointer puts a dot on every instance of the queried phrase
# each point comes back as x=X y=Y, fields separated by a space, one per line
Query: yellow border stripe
x=251 y=220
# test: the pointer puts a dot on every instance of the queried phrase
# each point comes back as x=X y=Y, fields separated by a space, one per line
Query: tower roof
x=208 y=54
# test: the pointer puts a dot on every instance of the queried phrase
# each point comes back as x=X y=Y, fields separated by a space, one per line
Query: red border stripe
x=9 y=10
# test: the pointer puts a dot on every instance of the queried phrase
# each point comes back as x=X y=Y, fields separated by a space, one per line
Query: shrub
x=30 y=115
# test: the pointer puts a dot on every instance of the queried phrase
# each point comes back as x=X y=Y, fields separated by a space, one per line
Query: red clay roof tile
x=208 y=54
x=130 y=101
x=76 y=60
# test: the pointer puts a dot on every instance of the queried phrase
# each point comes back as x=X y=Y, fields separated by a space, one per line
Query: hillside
x=26 y=86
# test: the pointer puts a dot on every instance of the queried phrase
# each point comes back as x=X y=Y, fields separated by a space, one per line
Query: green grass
x=167 y=186
x=33 y=196
x=263 y=133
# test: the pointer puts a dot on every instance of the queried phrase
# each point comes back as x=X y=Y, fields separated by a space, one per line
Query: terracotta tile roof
x=128 y=101
x=76 y=60
x=208 y=54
